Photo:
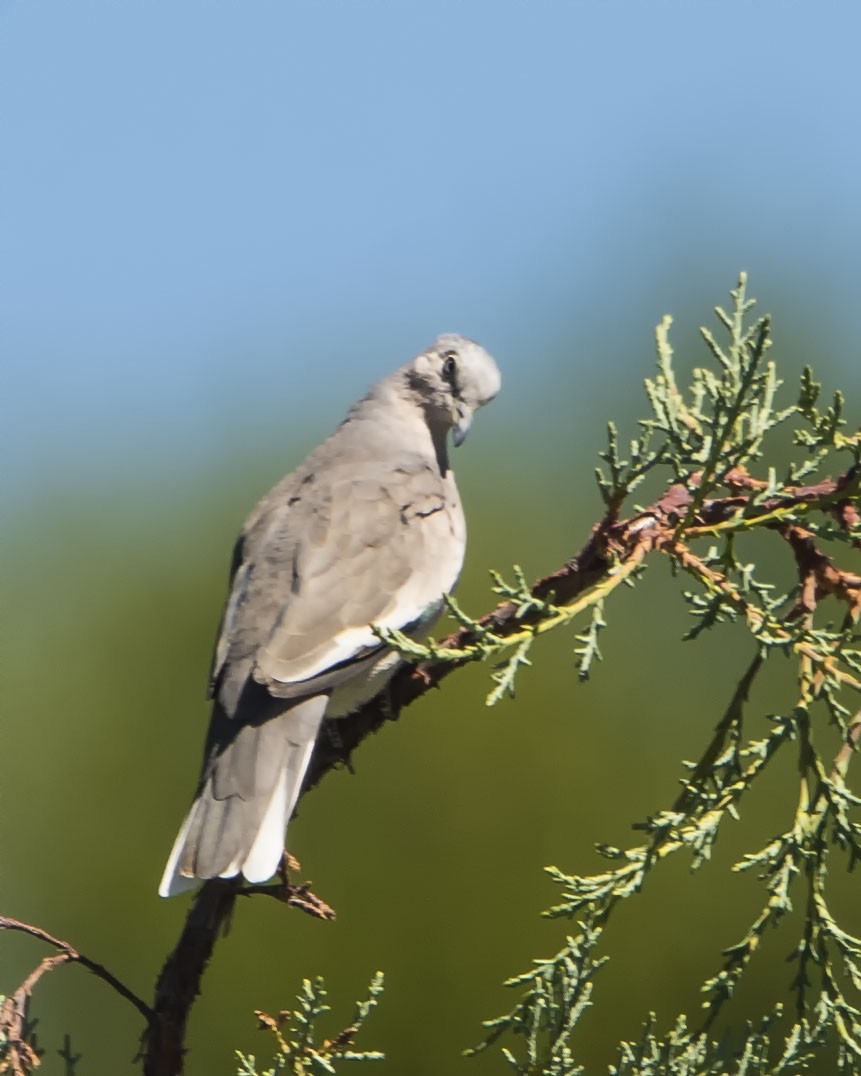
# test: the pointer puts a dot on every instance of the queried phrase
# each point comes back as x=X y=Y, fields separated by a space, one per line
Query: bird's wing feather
x=382 y=550
x=348 y=547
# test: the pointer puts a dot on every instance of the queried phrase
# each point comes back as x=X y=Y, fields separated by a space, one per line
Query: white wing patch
x=347 y=644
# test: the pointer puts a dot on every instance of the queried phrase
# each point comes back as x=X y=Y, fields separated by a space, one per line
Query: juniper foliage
x=295 y=1033
x=707 y=442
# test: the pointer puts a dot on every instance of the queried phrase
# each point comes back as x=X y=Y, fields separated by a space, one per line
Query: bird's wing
x=349 y=548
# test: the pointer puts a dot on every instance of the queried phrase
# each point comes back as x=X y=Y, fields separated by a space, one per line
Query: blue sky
x=219 y=219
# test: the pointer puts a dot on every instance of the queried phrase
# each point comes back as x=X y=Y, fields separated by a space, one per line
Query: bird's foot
x=297 y=896
x=288 y=863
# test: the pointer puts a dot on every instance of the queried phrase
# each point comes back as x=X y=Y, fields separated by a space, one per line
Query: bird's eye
x=449 y=365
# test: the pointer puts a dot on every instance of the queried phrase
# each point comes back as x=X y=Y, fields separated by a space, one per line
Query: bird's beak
x=462 y=424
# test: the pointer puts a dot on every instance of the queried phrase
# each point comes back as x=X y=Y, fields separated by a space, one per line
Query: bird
x=367 y=533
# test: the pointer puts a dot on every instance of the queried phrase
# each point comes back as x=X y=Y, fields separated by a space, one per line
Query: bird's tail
x=247 y=794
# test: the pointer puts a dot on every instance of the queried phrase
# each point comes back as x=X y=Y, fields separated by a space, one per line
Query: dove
x=368 y=532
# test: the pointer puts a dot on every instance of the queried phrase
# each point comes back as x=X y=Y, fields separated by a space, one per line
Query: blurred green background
x=220 y=223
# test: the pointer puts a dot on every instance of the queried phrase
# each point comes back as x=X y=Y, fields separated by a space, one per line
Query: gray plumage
x=368 y=530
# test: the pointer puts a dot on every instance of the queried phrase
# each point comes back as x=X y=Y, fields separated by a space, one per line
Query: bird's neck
x=407 y=426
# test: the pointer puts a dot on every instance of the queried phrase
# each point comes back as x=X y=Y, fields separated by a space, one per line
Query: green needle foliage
x=703 y=440
x=295 y=1033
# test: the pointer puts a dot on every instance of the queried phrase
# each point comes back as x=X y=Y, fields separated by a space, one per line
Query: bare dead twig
x=22 y=1058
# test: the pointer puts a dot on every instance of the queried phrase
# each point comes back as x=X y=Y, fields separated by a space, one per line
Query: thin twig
x=21 y=1056
x=71 y=955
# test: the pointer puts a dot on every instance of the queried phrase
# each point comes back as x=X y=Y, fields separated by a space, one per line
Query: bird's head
x=452 y=379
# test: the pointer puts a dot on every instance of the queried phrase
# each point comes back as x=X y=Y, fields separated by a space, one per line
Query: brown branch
x=817 y=573
x=610 y=541
x=844 y=755
x=178 y=984
x=821 y=493
x=21 y=1056
x=847 y=515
